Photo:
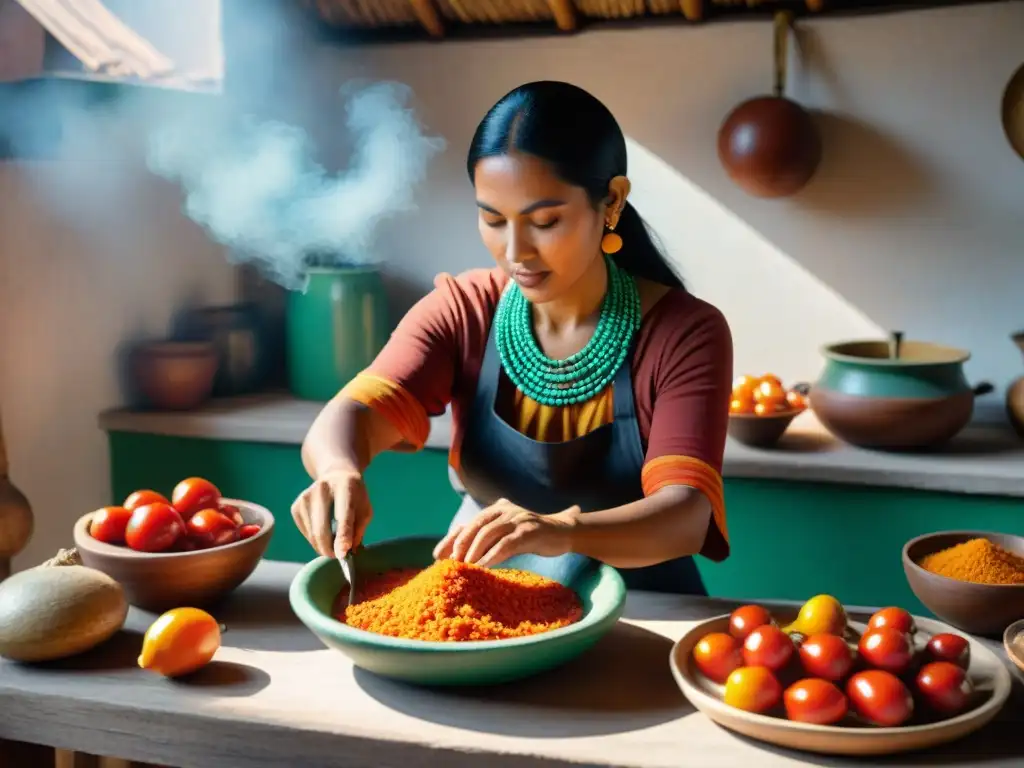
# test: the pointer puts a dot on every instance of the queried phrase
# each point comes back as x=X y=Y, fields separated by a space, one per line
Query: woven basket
x=494 y=11
x=365 y=13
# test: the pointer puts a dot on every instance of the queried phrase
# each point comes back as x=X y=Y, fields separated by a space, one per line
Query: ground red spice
x=455 y=601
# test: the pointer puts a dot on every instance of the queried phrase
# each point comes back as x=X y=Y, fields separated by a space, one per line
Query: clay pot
x=769 y=145
x=175 y=375
x=759 y=431
x=1015 y=393
x=894 y=395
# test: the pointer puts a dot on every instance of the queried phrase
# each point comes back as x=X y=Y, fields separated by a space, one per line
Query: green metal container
x=471 y=663
x=335 y=328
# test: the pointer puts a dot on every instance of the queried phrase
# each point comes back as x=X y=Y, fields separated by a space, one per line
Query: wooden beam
x=564 y=13
x=428 y=17
x=693 y=10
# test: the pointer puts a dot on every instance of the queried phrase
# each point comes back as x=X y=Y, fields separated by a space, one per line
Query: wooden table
x=275 y=696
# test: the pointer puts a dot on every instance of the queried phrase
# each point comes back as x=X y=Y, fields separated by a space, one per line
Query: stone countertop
x=274 y=696
x=981 y=460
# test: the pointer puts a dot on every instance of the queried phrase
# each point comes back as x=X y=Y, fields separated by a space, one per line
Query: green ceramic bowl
x=485 y=662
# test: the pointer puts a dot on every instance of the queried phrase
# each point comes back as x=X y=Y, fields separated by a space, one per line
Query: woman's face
x=543 y=232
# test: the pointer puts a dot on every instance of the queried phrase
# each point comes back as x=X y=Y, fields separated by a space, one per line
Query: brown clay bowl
x=978 y=609
x=175 y=375
x=160 y=581
x=759 y=431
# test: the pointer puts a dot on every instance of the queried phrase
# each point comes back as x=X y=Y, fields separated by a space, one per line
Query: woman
x=589 y=389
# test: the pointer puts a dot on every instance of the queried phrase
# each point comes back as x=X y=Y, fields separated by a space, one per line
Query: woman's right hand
x=338 y=494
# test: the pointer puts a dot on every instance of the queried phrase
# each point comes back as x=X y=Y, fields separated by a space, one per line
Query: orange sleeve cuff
x=394 y=403
x=685 y=470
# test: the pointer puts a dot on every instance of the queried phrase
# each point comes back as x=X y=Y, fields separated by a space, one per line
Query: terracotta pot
x=175 y=375
x=1015 y=393
x=769 y=145
x=894 y=395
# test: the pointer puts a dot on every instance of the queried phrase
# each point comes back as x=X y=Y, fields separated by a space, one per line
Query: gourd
x=58 y=609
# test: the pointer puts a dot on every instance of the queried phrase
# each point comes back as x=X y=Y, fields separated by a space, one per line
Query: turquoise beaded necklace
x=582 y=376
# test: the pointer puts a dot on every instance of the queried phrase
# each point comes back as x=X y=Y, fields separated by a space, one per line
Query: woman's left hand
x=504 y=530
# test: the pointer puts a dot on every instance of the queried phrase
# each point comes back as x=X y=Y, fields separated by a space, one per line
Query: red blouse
x=681 y=369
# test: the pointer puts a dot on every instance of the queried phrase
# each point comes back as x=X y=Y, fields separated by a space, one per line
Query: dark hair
x=579 y=137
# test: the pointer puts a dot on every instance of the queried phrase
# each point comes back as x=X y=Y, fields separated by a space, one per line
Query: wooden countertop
x=274 y=696
x=981 y=460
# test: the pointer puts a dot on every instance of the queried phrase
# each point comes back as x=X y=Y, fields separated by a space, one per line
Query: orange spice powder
x=977 y=560
x=453 y=601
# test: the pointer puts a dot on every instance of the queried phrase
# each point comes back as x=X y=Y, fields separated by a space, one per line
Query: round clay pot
x=769 y=146
x=175 y=375
x=759 y=431
x=894 y=395
x=1015 y=394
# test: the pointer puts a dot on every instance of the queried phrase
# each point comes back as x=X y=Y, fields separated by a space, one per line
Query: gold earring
x=611 y=243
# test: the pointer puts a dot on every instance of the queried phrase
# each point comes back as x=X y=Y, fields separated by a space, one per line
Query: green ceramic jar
x=894 y=394
x=335 y=328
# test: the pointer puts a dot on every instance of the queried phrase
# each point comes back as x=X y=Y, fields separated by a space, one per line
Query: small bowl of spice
x=973 y=580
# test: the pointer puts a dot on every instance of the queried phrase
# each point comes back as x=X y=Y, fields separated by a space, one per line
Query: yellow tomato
x=181 y=641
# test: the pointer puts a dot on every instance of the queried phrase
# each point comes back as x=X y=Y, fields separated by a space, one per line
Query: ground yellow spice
x=453 y=601
x=977 y=560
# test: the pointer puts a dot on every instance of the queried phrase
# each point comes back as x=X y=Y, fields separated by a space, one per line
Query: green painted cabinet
x=410 y=493
x=789 y=540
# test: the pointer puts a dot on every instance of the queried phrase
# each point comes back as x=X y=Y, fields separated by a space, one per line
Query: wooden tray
x=990 y=676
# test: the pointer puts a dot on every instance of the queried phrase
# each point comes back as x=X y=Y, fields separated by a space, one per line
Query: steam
x=257 y=188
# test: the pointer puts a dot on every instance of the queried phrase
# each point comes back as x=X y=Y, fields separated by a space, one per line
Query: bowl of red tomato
x=190 y=549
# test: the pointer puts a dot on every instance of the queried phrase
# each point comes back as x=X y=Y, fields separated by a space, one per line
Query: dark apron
x=599 y=470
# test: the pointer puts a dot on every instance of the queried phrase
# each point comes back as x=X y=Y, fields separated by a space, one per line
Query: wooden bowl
x=760 y=431
x=470 y=663
x=987 y=672
x=175 y=375
x=980 y=609
x=160 y=581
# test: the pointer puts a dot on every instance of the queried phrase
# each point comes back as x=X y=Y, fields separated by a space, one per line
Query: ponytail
x=641 y=254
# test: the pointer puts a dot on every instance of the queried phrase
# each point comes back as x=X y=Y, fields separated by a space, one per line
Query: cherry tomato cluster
x=882 y=680
x=195 y=517
x=764 y=396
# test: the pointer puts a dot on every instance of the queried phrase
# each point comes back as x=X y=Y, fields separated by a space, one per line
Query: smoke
x=257 y=188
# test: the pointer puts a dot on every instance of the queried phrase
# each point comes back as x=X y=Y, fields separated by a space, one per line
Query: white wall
x=68 y=297
x=914 y=221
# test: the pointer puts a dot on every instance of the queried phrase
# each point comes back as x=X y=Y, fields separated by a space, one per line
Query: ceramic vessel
x=895 y=394
x=1015 y=394
x=159 y=581
x=443 y=664
x=759 y=431
x=980 y=609
x=238 y=332
x=16 y=519
x=334 y=329
x=175 y=375
x=987 y=672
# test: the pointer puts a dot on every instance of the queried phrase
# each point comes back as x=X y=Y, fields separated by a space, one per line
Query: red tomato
x=949 y=647
x=880 y=697
x=746 y=619
x=154 y=528
x=142 y=498
x=826 y=656
x=796 y=401
x=717 y=655
x=248 y=531
x=767 y=646
x=109 y=523
x=945 y=687
x=194 y=494
x=211 y=528
x=887 y=648
x=234 y=513
x=753 y=689
x=185 y=544
x=897 y=618
x=814 y=701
